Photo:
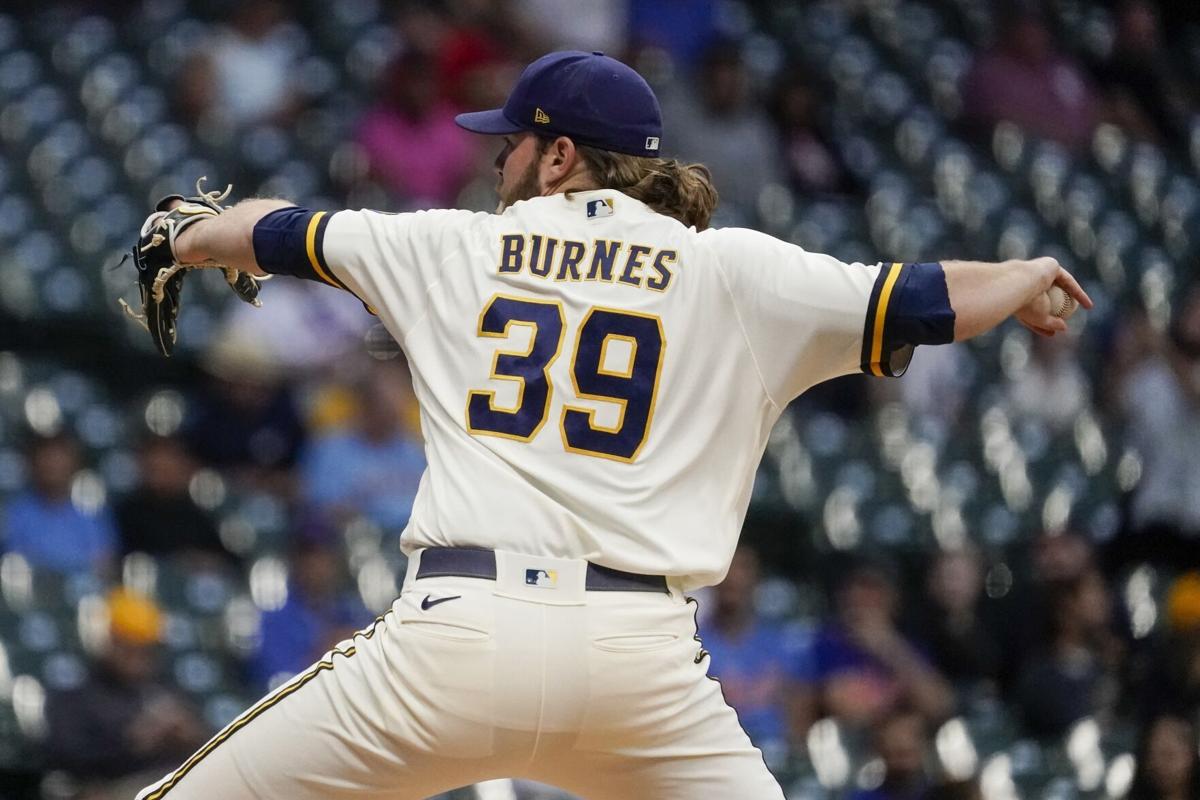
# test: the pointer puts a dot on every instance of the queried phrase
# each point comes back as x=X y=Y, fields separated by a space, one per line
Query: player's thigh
x=741 y=774
x=657 y=725
x=705 y=755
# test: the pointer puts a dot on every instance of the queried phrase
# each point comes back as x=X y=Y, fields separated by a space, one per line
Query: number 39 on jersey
x=631 y=389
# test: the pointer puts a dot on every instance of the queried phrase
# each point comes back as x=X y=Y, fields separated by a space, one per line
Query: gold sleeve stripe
x=880 y=317
x=310 y=241
x=258 y=708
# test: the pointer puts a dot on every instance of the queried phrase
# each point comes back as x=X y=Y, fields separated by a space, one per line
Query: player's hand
x=1036 y=315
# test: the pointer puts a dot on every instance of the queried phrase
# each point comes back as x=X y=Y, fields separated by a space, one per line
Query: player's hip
x=546 y=647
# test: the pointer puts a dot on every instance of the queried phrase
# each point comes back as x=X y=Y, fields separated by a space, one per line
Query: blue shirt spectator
x=864 y=668
x=295 y=636
x=57 y=536
x=763 y=667
x=46 y=527
x=758 y=668
x=321 y=608
x=375 y=468
x=376 y=478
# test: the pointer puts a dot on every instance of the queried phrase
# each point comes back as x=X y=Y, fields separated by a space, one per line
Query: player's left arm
x=388 y=261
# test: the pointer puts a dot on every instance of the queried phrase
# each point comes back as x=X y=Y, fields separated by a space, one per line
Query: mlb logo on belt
x=545 y=578
x=600 y=208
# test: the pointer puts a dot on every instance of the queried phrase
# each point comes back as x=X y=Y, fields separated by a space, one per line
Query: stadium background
x=978 y=578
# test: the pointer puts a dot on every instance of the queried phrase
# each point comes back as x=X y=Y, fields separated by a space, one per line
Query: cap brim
x=491 y=122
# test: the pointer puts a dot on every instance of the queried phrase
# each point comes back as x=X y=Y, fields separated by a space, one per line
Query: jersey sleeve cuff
x=290 y=241
x=909 y=306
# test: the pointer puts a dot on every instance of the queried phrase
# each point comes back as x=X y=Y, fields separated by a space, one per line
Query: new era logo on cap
x=545 y=578
x=651 y=142
x=541 y=117
x=603 y=207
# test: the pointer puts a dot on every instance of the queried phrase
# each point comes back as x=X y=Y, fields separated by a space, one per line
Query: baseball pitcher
x=598 y=372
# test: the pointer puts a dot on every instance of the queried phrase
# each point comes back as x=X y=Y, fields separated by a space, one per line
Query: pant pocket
x=635 y=642
x=451 y=630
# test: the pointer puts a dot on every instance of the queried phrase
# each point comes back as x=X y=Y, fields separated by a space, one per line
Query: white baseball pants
x=603 y=694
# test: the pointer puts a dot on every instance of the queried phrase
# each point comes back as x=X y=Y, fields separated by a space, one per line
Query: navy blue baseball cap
x=594 y=99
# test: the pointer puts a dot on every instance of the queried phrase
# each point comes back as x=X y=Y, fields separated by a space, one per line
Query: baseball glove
x=159 y=272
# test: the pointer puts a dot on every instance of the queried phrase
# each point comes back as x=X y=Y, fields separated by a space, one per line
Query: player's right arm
x=808 y=317
x=983 y=295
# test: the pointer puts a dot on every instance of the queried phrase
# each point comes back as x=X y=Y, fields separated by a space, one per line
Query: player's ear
x=562 y=156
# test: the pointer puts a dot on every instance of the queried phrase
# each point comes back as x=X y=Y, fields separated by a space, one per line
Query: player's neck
x=574 y=182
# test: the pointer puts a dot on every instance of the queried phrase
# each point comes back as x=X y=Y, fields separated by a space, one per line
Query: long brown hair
x=667 y=185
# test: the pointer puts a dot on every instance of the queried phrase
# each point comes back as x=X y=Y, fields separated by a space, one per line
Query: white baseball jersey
x=597 y=380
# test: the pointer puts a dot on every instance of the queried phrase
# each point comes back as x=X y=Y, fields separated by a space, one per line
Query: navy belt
x=475 y=562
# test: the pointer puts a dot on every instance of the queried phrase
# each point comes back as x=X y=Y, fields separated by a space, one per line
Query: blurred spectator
x=1025 y=79
x=1051 y=388
x=1168 y=767
x=374 y=468
x=321 y=610
x=46 y=526
x=473 y=45
x=244 y=74
x=1061 y=557
x=1171 y=683
x=478 y=69
x=864 y=666
x=594 y=25
x=961 y=644
x=954 y=790
x=1074 y=675
x=849 y=397
x=1023 y=613
x=246 y=419
x=813 y=163
x=936 y=384
x=413 y=146
x=1147 y=95
x=901 y=739
x=122 y=728
x=1161 y=401
x=725 y=130
x=303 y=327
x=763 y=666
x=160 y=517
x=681 y=28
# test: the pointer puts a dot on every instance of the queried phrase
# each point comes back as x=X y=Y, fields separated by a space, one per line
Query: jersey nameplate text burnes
x=602 y=260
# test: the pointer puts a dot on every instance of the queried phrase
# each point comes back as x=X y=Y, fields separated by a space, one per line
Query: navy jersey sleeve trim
x=909 y=306
x=290 y=241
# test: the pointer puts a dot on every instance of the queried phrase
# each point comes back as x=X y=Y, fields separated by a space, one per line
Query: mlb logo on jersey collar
x=602 y=207
x=544 y=578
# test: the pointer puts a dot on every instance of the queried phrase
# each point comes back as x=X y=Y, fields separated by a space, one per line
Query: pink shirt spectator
x=1025 y=82
x=427 y=160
